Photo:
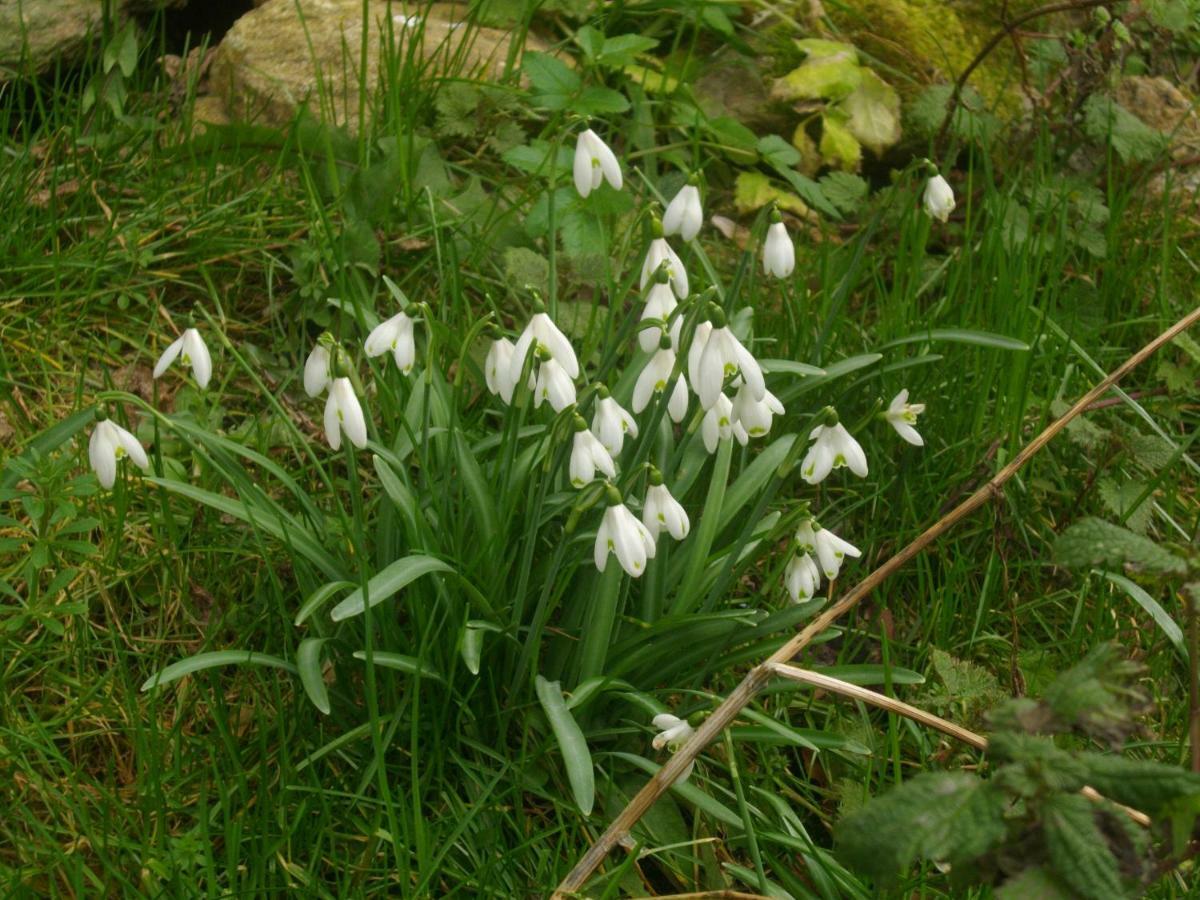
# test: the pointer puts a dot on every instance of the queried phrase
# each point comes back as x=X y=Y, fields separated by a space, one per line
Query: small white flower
x=755 y=415
x=677 y=406
x=719 y=425
x=696 y=351
x=779 y=254
x=674 y=732
x=659 y=252
x=832 y=448
x=724 y=355
x=553 y=384
x=316 y=371
x=653 y=377
x=588 y=455
x=343 y=414
x=542 y=332
x=938 y=199
x=831 y=550
x=195 y=354
x=802 y=577
x=902 y=416
x=622 y=534
x=662 y=511
x=660 y=303
x=109 y=443
x=611 y=423
x=684 y=215
x=396 y=334
x=497 y=369
x=806 y=538
x=594 y=162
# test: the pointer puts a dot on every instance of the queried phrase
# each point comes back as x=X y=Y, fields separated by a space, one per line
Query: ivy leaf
x=1078 y=851
x=830 y=78
x=838 y=146
x=1133 y=140
x=1094 y=542
x=553 y=83
x=944 y=817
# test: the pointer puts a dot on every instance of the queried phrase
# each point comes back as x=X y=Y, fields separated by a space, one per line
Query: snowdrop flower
x=194 y=354
x=673 y=733
x=654 y=376
x=719 y=425
x=316 y=370
x=779 y=254
x=594 y=162
x=806 y=537
x=110 y=443
x=938 y=199
x=902 y=416
x=497 y=369
x=802 y=577
x=660 y=303
x=832 y=448
x=684 y=216
x=396 y=334
x=755 y=415
x=660 y=251
x=723 y=355
x=541 y=332
x=677 y=406
x=553 y=384
x=696 y=350
x=343 y=414
x=622 y=534
x=662 y=511
x=587 y=455
x=831 y=550
x=611 y=423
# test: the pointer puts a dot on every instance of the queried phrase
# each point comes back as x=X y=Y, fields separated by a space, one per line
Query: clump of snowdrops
x=539 y=505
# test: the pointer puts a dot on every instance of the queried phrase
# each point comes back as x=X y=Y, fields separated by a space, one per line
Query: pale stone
x=288 y=53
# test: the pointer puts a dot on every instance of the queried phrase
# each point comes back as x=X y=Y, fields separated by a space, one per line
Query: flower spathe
x=832 y=550
x=497 y=369
x=660 y=303
x=902 y=416
x=674 y=732
x=661 y=512
x=719 y=424
x=660 y=251
x=755 y=415
x=554 y=385
x=938 y=199
x=587 y=456
x=832 y=448
x=611 y=423
x=779 y=253
x=344 y=415
x=621 y=534
x=316 y=371
x=801 y=578
x=541 y=332
x=594 y=163
x=194 y=353
x=723 y=355
x=108 y=444
x=684 y=215
x=395 y=334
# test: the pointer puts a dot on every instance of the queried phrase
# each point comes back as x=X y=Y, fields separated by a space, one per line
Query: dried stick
x=891 y=704
x=724 y=714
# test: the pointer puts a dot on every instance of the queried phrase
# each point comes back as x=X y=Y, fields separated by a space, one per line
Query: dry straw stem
x=978 y=741
x=722 y=717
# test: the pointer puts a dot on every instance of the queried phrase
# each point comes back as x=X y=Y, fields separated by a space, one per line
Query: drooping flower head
x=938 y=199
x=542 y=333
x=660 y=252
x=832 y=551
x=395 y=334
x=497 y=369
x=660 y=303
x=317 y=372
x=655 y=376
x=723 y=356
x=674 y=732
x=661 y=511
x=902 y=416
x=612 y=422
x=109 y=444
x=588 y=455
x=755 y=415
x=190 y=348
x=832 y=448
x=344 y=415
x=801 y=577
x=719 y=425
x=684 y=215
x=553 y=384
x=621 y=534
x=779 y=253
x=594 y=163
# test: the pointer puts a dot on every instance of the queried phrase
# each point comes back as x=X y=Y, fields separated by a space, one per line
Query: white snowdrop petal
x=168 y=356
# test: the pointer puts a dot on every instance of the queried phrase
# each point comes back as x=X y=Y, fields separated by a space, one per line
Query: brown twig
x=757 y=677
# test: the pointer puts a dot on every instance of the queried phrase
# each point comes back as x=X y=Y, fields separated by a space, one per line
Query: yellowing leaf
x=873 y=113
x=754 y=190
x=831 y=78
x=838 y=146
x=819 y=48
x=650 y=81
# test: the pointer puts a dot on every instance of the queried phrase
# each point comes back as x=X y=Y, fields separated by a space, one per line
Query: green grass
x=229 y=781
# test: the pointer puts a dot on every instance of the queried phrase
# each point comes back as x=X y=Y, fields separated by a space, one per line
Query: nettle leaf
x=553 y=82
x=964 y=686
x=844 y=190
x=1104 y=119
x=873 y=113
x=1093 y=542
x=970 y=121
x=1120 y=497
x=940 y=817
x=1098 y=695
x=1034 y=882
x=1142 y=784
x=1078 y=851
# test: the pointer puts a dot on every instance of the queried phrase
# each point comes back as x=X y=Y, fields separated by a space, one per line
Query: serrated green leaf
x=596 y=101
x=554 y=83
x=844 y=190
x=1143 y=784
x=1034 y=883
x=1120 y=497
x=1132 y=139
x=1092 y=542
x=1077 y=848
x=621 y=50
x=576 y=756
